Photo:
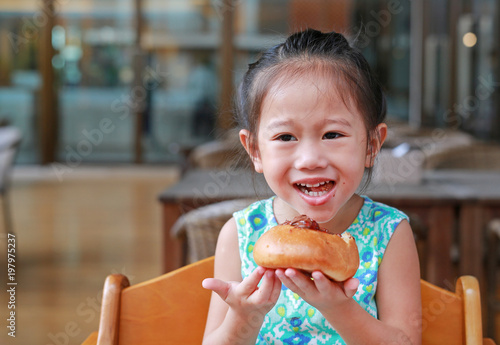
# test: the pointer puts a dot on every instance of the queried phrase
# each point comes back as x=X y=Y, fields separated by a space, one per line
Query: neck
x=345 y=216
x=338 y=224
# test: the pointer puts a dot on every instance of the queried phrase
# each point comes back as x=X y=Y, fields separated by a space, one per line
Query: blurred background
x=110 y=98
x=65 y=66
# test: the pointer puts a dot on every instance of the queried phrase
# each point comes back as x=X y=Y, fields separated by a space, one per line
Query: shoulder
x=256 y=216
x=384 y=219
x=228 y=231
x=227 y=258
x=378 y=211
x=401 y=252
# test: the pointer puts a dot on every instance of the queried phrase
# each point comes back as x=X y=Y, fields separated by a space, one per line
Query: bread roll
x=303 y=245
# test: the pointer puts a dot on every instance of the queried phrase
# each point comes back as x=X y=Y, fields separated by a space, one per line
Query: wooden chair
x=493 y=268
x=172 y=309
x=10 y=141
x=452 y=317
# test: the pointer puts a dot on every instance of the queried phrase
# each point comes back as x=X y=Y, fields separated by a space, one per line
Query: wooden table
x=451 y=204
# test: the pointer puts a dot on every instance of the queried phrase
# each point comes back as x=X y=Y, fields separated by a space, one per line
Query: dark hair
x=306 y=51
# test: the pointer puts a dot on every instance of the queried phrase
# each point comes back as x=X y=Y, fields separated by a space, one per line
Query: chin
x=323 y=215
x=321 y=218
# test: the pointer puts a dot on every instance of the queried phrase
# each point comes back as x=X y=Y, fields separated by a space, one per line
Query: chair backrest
x=452 y=317
x=172 y=309
x=202 y=225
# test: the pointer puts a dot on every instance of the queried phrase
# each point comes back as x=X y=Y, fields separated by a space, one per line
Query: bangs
x=344 y=80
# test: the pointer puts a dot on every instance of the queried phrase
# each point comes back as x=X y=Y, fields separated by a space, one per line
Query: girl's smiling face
x=311 y=147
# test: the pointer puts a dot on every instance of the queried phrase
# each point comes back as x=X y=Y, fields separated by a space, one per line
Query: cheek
x=353 y=163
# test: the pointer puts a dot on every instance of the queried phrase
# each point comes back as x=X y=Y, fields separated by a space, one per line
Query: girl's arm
x=398 y=297
x=237 y=308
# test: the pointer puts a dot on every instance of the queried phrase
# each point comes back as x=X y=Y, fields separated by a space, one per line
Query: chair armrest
x=110 y=309
x=467 y=287
x=91 y=340
x=488 y=341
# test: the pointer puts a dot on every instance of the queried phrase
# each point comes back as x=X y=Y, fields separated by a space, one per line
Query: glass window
x=20 y=25
x=181 y=39
x=94 y=43
x=175 y=45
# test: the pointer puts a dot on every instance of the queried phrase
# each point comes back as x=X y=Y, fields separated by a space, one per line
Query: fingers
x=218 y=286
x=351 y=287
x=270 y=288
x=296 y=281
x=321 y=281
x=276 y=289
x=249 y=284
x=268 y=291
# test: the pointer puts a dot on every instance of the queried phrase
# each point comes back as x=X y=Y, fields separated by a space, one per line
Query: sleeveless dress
x=292 y=320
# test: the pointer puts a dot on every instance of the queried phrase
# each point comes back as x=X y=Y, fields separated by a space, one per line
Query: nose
x=310 y=156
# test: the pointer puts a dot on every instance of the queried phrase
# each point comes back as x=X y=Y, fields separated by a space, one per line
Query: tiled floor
x=72 y=233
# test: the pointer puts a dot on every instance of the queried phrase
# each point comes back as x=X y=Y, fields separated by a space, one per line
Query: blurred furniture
x=426 y=139
x=493 y=265
x=476 y=156
x=450 y=204
x=172 y=309
x=223 y=153
x=200 y=227
x=10 y=140
x=214 y=154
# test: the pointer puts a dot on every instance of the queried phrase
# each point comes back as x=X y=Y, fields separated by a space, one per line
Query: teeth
x=314 y=193
x=312 y=185
x=304 y=188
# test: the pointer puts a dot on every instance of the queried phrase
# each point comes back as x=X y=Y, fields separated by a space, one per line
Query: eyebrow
x=340 y=121
x=278 y=123
x=284 y=123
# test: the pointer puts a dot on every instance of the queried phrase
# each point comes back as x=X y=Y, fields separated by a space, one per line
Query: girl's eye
x=332 y=135
x=286 y=137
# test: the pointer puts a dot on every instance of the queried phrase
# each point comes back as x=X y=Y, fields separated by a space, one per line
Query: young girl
x=311 y=116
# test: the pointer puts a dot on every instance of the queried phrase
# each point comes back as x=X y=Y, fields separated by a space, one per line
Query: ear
x=377 y=139
x=246 y=141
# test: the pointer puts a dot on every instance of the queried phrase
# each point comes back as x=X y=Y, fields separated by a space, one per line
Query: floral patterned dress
x=292 y=320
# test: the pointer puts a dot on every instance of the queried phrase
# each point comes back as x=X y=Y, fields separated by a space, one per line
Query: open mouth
x=317 y=189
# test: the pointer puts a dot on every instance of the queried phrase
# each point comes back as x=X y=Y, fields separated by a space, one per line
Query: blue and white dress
x=292 y=320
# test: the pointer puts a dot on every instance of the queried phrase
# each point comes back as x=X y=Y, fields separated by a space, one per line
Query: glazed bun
x=303 y=245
